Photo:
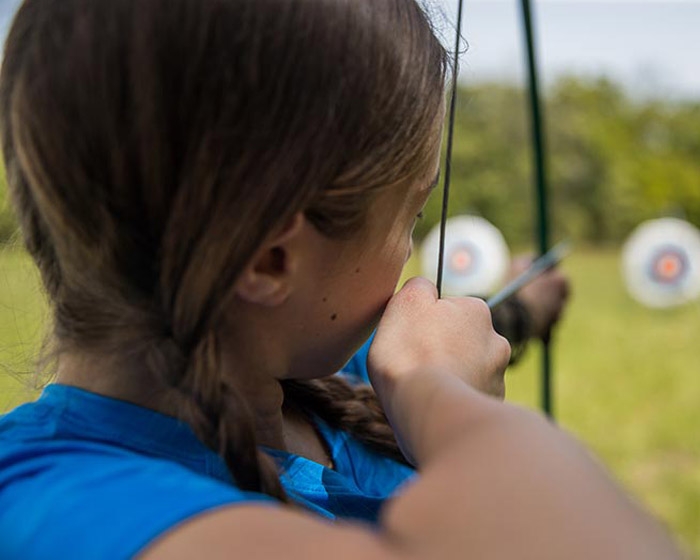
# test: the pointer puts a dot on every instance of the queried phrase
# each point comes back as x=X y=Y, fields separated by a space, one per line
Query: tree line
x=614 y=161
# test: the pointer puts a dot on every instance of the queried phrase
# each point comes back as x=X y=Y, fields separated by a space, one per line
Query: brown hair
x=151 y=145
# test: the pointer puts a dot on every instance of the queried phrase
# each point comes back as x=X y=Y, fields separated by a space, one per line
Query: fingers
x=473 y=307
x=500 y=352
x=496 y=348
x=415 y=297
x=420 y=332
x=419 y=287
x=565 y=284
x=558 y=283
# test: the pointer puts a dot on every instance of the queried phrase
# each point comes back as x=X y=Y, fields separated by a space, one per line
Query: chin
x=325 y=362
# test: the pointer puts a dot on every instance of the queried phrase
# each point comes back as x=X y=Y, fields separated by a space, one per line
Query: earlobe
x=268 y=278
x=261 y=289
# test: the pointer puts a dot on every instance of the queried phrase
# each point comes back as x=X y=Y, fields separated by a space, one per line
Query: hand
x=426 y=351
x=421 y=334
x=544 y=298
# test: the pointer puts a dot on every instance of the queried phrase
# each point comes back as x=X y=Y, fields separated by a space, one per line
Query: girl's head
x=199 y=174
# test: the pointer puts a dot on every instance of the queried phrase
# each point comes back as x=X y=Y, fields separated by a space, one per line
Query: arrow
x=546 y=262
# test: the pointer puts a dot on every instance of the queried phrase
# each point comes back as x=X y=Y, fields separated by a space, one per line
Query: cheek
x=365 y=291
x=335 y=322
x=338 y=314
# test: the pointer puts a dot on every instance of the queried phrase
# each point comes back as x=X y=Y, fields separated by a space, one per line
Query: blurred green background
x=627 y=378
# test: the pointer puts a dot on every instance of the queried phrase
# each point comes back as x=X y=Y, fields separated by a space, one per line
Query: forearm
x=500 y=482
x=448 y=407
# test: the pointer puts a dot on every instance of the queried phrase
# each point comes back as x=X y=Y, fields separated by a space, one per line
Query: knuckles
x=479 y=310
x=415 y=292
x=503 y=351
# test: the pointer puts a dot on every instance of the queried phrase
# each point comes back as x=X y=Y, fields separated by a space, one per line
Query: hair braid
x=216 y=412
x=354 y=409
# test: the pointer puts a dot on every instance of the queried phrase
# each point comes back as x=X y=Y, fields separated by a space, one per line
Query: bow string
x=448 y=155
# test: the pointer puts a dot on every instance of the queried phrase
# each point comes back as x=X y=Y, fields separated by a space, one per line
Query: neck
x=264 y=395
x=99 y=375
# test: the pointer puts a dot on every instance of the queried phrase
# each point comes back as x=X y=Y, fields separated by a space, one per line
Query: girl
x=220 y=196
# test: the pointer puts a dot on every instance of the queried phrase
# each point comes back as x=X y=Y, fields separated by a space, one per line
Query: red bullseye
x=461 y=260
x=669 y=267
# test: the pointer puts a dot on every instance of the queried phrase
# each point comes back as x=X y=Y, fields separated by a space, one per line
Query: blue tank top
x=86 y=476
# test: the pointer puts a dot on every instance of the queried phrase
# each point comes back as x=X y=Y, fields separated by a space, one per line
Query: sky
x=652 y=47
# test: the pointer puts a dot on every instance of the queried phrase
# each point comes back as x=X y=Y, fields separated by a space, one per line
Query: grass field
x=627 y=380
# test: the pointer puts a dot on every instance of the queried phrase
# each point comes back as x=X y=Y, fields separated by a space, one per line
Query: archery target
x=476 y=256
x=661 y=263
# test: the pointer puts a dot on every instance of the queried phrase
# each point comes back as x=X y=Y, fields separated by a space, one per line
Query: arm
x=497 y=482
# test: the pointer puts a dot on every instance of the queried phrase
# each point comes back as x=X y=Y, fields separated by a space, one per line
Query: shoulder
x=87 y=499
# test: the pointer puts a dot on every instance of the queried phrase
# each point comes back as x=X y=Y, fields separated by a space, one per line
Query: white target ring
x=476 y=256
x=661 y=263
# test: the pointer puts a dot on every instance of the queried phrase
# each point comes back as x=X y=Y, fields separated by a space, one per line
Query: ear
x=268 y=278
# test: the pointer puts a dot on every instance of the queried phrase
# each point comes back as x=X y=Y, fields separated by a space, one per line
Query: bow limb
x=541 y=184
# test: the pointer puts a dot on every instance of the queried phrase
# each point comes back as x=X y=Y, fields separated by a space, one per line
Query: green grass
x=23 y=320
x=627 y=379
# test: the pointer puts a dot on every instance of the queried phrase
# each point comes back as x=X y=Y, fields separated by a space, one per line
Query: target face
x=476 y=256
x=661 y=263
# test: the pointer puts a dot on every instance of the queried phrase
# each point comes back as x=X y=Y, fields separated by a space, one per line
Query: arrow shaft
x=536 y=269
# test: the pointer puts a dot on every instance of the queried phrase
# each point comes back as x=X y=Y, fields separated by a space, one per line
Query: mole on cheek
x=325 y=300
x=357 y=271
x=334 y=316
